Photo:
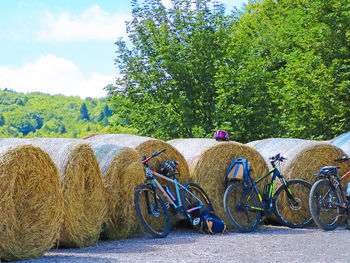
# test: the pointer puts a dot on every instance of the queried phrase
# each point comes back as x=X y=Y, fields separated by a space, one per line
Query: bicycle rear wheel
x=293 y=213
x=241 y=207
x=189 y=201
x=152 y=212
x=322 y=201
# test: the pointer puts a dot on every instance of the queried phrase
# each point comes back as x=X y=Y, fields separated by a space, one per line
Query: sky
x=63 y=46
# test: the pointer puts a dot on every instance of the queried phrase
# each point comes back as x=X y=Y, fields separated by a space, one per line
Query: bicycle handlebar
x=342 y=159
x=153 y=155
x=277 y=158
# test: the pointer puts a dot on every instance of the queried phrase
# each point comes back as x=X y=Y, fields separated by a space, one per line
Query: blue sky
x=63 y=46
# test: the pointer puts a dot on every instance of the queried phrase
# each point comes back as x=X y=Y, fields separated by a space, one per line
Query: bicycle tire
x=155 y=221
x=290 y=214
x=188 y=201
x=243 y=218
x=325 y=216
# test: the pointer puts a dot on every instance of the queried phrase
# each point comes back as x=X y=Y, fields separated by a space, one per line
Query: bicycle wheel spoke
x=323 y=205
x=240 y=208
x=152 y=212
x=292 y=209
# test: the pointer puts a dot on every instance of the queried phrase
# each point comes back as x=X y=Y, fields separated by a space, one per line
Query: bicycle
x=328 y=202
x=188 y=201
x=245 y=206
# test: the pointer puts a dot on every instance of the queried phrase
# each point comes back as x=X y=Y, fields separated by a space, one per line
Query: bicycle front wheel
x=291 y=204
x=324 y=206
x=152 y=212
x=242 y=208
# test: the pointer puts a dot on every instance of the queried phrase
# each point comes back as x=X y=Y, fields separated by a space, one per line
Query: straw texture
x=31 y=204
x=122 y=172
x=208 y=162
x=80 y=179
x=146 y=146
x=304 y=157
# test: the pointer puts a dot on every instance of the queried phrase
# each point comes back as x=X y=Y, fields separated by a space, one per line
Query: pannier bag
x=238 y=170
x=211 y=223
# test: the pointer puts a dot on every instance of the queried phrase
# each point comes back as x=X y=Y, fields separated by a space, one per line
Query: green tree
x=2 y=120
x=63 y=129
x=287 y=71
x=101 y=116
x=106 y=111
x=168 y=84
x=23 y=126
x=84 y=113
x=37 y=120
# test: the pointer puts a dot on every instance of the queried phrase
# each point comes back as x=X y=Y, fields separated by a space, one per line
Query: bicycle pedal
x=196 y=221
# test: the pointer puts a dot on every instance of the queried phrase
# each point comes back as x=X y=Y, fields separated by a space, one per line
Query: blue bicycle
x=154 y=200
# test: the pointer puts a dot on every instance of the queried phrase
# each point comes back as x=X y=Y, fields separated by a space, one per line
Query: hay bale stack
x=342 y=142
x=31 y=204
x=209 y=160
x=122 y=172
x=304 y=157
x=80 y=178
x=146 y=146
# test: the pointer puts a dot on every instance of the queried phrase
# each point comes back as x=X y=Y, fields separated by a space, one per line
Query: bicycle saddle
x=329 y=170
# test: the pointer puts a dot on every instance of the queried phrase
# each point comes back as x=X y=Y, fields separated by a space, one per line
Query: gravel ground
x=267 y=244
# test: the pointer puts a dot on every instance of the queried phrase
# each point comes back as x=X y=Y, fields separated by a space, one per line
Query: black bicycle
x=245 y=206
x=188 y=201
x=328 y=201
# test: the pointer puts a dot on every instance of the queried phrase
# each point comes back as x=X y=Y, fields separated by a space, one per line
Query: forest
x=276 y=68
x=42 y=115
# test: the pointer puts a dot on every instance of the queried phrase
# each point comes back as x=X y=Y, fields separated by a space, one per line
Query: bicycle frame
x=175 y=201
x=338 y=185
x=341 y=189
x=275 y=173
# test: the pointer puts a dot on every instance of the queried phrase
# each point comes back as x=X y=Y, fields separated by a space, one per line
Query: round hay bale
x=208 y=162
x=122 y=172
x=146 y=146
x=342 y=142
x=31 y=204
x=304 y=157
x=83 y=193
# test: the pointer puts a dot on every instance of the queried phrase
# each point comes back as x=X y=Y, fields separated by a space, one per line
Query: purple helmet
x=221 y=135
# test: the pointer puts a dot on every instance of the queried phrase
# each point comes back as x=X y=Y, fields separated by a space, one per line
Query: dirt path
x=267 y=244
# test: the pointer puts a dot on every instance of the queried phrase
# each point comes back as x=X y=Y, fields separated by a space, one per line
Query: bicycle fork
x=290 y=195
x=152 y=209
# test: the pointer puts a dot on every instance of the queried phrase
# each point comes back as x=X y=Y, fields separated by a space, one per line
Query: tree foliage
x=168 y=86
x=42 y=115
x=291 y=60
x=84 y=113
x=274 y=69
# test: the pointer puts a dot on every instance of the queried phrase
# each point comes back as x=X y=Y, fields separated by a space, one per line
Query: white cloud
x=92 y=24
x=229 y=4
x=167 y=3
x=54 y=75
